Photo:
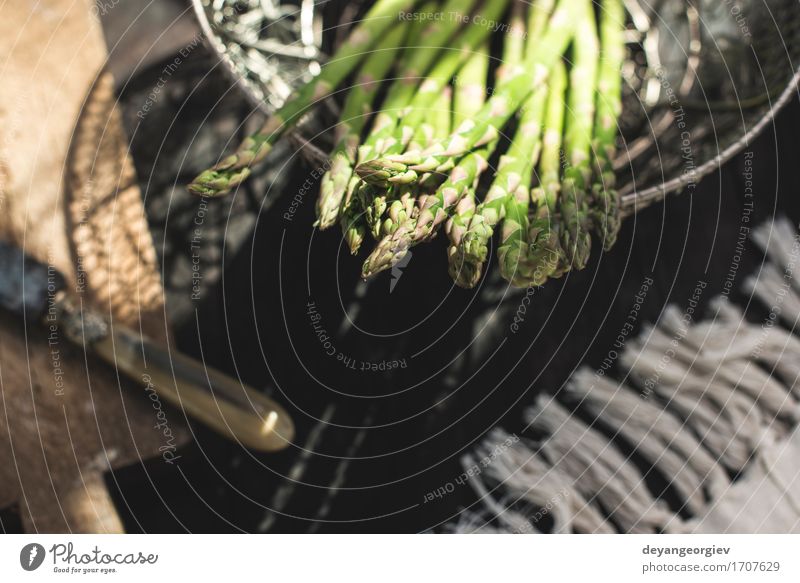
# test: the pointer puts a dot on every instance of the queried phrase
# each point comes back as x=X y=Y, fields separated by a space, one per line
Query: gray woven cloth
x=699 y=432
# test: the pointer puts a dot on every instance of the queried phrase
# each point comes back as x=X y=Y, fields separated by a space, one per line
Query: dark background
x=371 y=445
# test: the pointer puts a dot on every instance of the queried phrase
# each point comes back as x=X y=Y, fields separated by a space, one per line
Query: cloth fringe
x=708 y=408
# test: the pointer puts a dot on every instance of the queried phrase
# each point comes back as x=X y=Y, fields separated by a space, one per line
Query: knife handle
x=35 y=290
x=229 y=407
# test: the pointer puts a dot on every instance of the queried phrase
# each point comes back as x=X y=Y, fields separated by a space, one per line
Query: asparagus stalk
x=470 y=86
x=357 y=108
x=472 y=39
x=449 y=63
x=354 y=227
x=429 y=181
x=605 y=199
x=377 y=202
x=422 y=136
x=544 y=232
x=422 y=54
x=519 y=83
x=575 y=238
x=470 y=95
x=441 y=115
x=466 y=273
x=510 y=195
x=474 y=96
x=470 y=241
x=405 y=208
x=538 y=15
x=234 y=169
x=437 y=207
x=471 y=168
x=417 y=58
x=436 y=81
x=541 y=253
x=513 y=40
x=437 y=120
x=431 y=211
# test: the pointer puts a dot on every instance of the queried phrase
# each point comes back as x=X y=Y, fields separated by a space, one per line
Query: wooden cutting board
x=68 y=197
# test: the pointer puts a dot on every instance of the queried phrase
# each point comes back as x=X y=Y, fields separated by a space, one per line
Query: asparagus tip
x=214 y=183
x=384 y=173
x=388 y=252
x=606 y=215
x=465 y=271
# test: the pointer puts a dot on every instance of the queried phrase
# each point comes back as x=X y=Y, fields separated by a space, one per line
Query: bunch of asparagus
x=421 y=159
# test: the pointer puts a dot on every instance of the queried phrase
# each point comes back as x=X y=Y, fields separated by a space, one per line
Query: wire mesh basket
x=269 y=46
x=702 y=78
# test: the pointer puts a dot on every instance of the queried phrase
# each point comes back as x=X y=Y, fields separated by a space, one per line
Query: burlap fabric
x=68 y=196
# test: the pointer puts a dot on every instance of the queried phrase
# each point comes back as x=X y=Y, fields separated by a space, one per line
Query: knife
x=38 y=292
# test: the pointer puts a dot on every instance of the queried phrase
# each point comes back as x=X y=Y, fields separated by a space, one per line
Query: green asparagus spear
x=510 y=194
x=234 y=169
x=467 y=272
x=514 y=40
x=356 y=109
x=538 y=15
x=449 y=63
x=470 y=243
x=544 y=232
x=400 y=210
x=464 y=273
x=471 y=91
x=351 y=219
x=375 y=203
x=431 y=211
x=438 y=32
x=465 y=176
x=575 y=238
x=441 y=115
x=540 y=255
x=436 y=80
x=438 y=126
x=378 y=201
x=519 y=83
x=416 y=58
x=437 y=119
x=605 y=199
x=470 y=86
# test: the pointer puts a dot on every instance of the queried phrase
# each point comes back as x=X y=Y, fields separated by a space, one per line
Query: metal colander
x=269 y=46
x=702 y=78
